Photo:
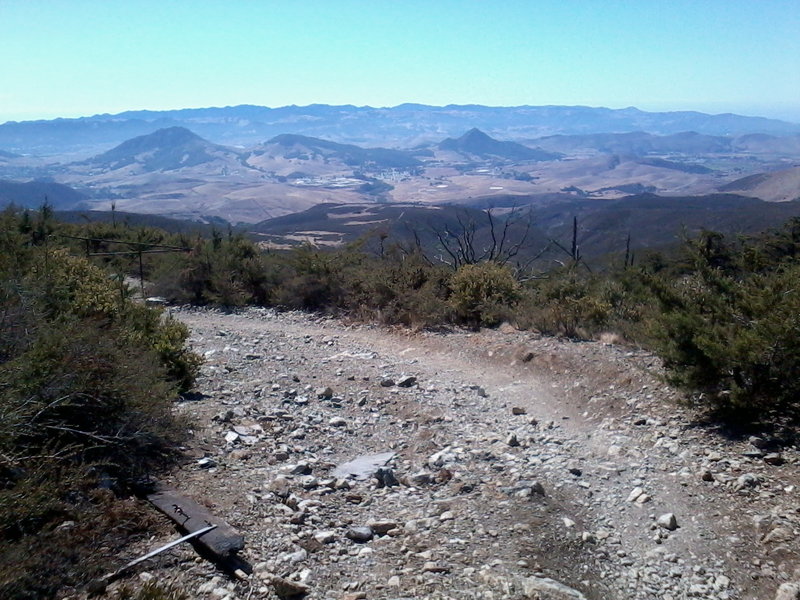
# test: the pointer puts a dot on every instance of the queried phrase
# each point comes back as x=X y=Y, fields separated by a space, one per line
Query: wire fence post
x=141 y=272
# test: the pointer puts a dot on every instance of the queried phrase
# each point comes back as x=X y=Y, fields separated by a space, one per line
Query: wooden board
x=223 y=541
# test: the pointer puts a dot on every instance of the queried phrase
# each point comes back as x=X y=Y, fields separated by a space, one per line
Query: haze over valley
x=246 y=164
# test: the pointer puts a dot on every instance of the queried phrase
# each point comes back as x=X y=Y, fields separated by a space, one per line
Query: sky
x=71 y=58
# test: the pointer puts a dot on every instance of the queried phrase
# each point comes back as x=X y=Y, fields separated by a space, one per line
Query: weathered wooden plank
x=223 y=541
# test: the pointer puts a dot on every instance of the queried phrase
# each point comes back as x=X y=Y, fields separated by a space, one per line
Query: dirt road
x=525 y=467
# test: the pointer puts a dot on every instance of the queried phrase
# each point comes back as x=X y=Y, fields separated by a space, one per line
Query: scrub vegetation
x=87 y=380
x=722 y=312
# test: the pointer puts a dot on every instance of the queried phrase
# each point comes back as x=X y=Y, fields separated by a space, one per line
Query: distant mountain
x=777 y=186
x=163 y=150
x=175 y=163
x=33 y=194
x=300 y=146
x=476 y=143
x=405 y=125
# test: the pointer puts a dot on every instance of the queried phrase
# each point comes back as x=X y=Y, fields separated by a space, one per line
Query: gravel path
x=523 y=467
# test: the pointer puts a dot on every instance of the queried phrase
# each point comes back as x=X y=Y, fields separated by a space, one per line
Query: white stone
x=296 y=557
x=667 y=521
x=635 y=493
x=325 y=537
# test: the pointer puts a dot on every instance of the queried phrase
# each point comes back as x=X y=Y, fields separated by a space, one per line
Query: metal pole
x=99 y=584
x=141 y=272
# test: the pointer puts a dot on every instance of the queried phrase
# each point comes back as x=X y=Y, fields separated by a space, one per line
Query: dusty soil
x=526 y=467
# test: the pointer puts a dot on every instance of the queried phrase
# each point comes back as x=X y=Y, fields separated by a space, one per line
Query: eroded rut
x=526 y=468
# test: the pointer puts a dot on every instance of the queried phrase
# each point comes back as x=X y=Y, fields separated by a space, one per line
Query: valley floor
x=527 y=467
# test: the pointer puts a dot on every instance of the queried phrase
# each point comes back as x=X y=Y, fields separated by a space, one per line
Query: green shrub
x=146 y=327
x=315 y=279
x=735 y=338
x=87 y=381
x=223 y=271
x=399 y=289
x=483 y=293
x=566 y=303
x=82 y=387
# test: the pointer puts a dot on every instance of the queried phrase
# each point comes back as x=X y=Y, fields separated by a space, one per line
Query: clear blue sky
x=72 y=58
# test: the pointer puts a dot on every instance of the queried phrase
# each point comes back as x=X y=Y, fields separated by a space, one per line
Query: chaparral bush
x=483 y=293
x=87 y=380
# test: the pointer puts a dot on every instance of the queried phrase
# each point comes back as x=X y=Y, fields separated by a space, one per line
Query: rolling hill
x=655 y=221
x=308 y=148
x=637 y=143
x=127 y=219
x=32 y=194
x=777 y=186
x=175 y=172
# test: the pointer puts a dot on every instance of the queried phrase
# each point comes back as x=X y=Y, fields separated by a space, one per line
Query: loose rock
x=360 y=534
x=407 y=381
x=667 y=521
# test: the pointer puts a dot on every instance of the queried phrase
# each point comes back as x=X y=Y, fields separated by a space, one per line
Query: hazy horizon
x=145 y=109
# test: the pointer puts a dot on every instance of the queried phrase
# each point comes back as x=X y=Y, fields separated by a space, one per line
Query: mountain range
x=175 y=172
x=180 y=172
x=406 y=125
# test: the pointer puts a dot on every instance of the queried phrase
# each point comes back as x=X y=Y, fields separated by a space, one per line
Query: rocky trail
x=510 y=466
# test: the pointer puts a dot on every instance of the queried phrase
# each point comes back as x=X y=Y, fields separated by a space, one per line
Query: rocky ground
x=512 y=466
